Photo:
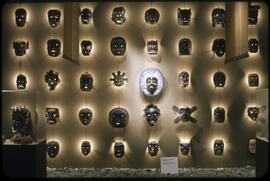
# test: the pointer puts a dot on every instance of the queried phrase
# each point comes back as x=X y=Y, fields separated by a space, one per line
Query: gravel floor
x=248 y=171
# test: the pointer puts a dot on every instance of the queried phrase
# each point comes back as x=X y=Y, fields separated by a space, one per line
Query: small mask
x=86 y=15
x=86 y=82
x=253 y=14
x=218 y=147
x=153 y=148
x=118 y=117
x=118 y=46
x=53 y=149
x=253 y=113
x=253 y=80
x=52 y=115
x=53 y=47
x=21 y=81
x=184 y=79
x=219 y=115
x=218 y=47
x=118 y=78
x=152 y=83
x=218 y=17
x=118 y=15
x=86 y=47
x=185 y=112
x=184 y=148
x=219 y=79
x=20 y=47
x=183 y=16
x=85 y=147
x=151 y=16
x=185 y=46
x=252 y=146
x=52 y=79
x=152 y=47
x=119 y=149
x=54 y=16
x=85 y=116
x=20 y=17
x=253 y=45
x=151 y=113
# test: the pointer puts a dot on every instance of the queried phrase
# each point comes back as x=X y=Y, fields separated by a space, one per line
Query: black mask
x=184 y=148
x=183 y=16
x=253 y=45
x=20 y=47
x=153 y=148
x=185 y=46
x=21 y=81
x=54 y=16
x=253 y=14
x=20 y=17
x=118 y=117
x=118 y=78
x=119 y=149
x=85 y=116
x=218 y=147
x=253 y=80
x=118 y=46
x=218 y=47
x=52 y=79
x=86 y=47
x=185 y=112
x=86 y=82
x=85 y=147
x=184 y=79
x=86 y=15
x=219 y=115
x=53 y=149
x=52 y=115
x=253 y=113
x=151 y=113
x=118 y=15
x=151 y=16
x=152 y=47
x=219 y=79
x=218 y=17
x=53 y=47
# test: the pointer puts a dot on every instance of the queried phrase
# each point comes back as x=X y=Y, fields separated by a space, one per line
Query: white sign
x=169 y=165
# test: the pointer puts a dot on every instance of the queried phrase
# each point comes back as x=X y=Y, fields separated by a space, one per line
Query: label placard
x=169 y=165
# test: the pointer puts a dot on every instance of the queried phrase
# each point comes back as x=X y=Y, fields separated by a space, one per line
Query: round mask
x=118 y=117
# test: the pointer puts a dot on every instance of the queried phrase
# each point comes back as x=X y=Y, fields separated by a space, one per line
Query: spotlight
x=118 y=46
x=252 y=146
x=253 y=80
x=54 y=16
x=85 y=116
x=20 y=47
x=118 y=117
x=152 y=47
x=184 y=148
x=21 y=81
x=218 y=47
x=118 y=78
x=151 y=16
x=253 y=45
x=218 y=17
x=184 y=79
x=185 y=46
x=20 y=17
x=53 y=47
x=86 y=82
x=86 y=46
x=86 y=15
x=253 y=14
x=119 y=149
x=85 y=147
x=153 y=148
x=185 y=113
x=218 y=147
x=52 y=79
x=219 y=79
x=118 y=15
x=53 y=149
x=219 y=115
x=183 y=16
x=52 y=115
x=253 y=113
x=151 y=113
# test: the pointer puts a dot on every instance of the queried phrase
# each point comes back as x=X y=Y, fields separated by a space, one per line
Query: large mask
x=54 y=16
x=218 y=147
x=151 y=82
x=118 y=117
x=20 y=17
x=219 y=79
x=118 y=15
x=253 y=14
x=153 y=148
x=86 y=47
x=119 y=149
x=252 y=146
x=218 y=17
x=118 y=46
x=184 y=148
x=183 y=16
x=52 y=79
x=253 y=45
x=86 y=82
x=152 y=47
x=185 y=113
x=20 y=47
x=218 y=47
x=151 y=16
x=52 y=115
x=184 y=79
x=53 y=47
x=21 y=81
x=53 y=149
x=253 y=112
x=86 y=15
x=185 y=46
x=118 y=78
x=151 y=113
x=85 y=147
x=253 y=80
x=219 y=115
x=85 y=116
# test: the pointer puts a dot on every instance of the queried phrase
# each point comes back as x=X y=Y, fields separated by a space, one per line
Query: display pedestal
x=25 y=160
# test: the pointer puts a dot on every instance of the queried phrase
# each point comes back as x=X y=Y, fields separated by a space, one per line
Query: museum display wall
x=136 y=93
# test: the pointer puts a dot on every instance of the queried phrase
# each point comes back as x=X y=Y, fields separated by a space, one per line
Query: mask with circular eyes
x=253 y=80
x=218 y=17
x=252 y=146
x=218 y=147
x=151 y=16
x=152 y=47
x=184 y=148
x=118 y=46
x=85 y=116
x=86 y=82
x=85 y=147
x=86 y=47
x=20 y=17
x=219 y=79
x=253 y=45
x=118 y=78
x=118 y=117
x=253 y=113
x=219 y=115
x=20 y=47
x=185 y=46
x=153 y=148
x=54 y=16
x=184 y=79
x=183 y=16
x=21 y=81
x=151 y=113
x=53 y=149
x=253 y=14
x=52 y=79
x=218 y=47
x=86 y=15
x=53 y=47
x=119 y=149
x=118 y=15
x=52 y=115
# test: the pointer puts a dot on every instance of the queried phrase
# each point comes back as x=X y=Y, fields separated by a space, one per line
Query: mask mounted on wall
x=185 y=113
x=185 y=46
x=151 y=113
x=218 y=17
x=118 y=117
x=54 y=16
x=219 y=79
x=218 y=47
x=184 y=79
x=152 y=47
x=85 y=147
x=118 y=78
x=53 y=47
x=20 y=47
x=118 y=46
x=184 y=148
x=85 y=116
x=52 y=79
x=153 y=148
x=253 y=112
x=86 y=82
x=119 y=149
x=252 y=146
x=53 y=149
x=86 y=47
x=253 y=14
x=151 y=16
x=52 y=115
x=20 y=17
x=21 y=81
x=253 y=80
x=219 y=115
x=118 y=15
x=253 y=45
x=183 y=16
x=218 y=147
x=86 y=15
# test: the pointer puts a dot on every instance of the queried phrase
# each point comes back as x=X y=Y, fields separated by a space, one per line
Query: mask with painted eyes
x=52 y=115
x=20 y=47
x=53 y=149
x=118 y=117
x=252 y=146
x=20 y=17
x=85 y=116
x=85 y=147
x=152 y=47
x=21 y=81
x=86 y=15
x=218 y=17
x=253 y=80
x=218 y=147
x=119 y=149
x=253 y=113
x=151 y=113
x=253 y=14
x=53 y=47
x=218 y=47
x=151 y=16
x=253 y=45
x=152 y=83
x=219 y=115
x=183 y=16
x=52 y=79
x=118 y=78
x=86 y=82
x=118 y=46
x=118 y=15
x=184 y=148
x=86 y=47
x=219 y=79
x=153 y=148
x=54 y=16
x=184 y=79
x=185 y=46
